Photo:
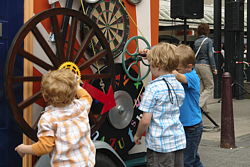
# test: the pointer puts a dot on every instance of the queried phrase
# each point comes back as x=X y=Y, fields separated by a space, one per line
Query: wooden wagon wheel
x=54 y=55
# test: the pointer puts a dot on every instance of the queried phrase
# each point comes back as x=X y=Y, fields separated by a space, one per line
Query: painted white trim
x=143 y=19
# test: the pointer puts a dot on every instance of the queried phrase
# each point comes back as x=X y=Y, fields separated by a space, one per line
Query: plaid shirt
x=70 y=127
x=165 y=132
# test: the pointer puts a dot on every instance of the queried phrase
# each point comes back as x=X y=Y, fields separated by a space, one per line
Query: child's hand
x=175 y=72
x=144 y=51
x=78 y=79
x=137 y=139
x=215 y=72
x=19 y=150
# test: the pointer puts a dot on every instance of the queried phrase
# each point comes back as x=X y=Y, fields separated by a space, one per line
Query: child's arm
x=83 y=94
x=44 y=145
x=180 y=77
x=142 y=127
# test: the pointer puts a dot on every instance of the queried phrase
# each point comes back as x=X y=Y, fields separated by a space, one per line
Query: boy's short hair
x=185 y=54
x=163 y=56
x=59 y=87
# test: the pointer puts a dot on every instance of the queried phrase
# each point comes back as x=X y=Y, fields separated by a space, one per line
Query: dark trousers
x=193 y=138
x=170 y=159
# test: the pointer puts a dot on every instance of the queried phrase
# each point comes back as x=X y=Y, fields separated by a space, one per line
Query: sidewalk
x=211 y=153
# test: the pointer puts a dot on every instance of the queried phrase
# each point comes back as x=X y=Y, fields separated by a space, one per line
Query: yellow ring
x=71 y=66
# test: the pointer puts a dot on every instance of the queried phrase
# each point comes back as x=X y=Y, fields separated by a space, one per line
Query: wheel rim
x=54 y=56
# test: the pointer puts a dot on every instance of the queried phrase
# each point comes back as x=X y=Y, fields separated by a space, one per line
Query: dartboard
x=113 y=20
x=121 y=124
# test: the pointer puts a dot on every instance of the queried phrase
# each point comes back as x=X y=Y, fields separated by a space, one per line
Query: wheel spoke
x=58 y=38
x=95 y=20
x=30 y=100
x=93 y=59
x=98 y=45
x=27 y=78
x=31 y=133
x=45 y=46
x=71 y=42
x=35 y=60
x=84 y=45
x=96 y=76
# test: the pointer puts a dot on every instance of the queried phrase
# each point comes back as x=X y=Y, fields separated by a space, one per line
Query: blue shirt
x=165 y=132
x=190 y=110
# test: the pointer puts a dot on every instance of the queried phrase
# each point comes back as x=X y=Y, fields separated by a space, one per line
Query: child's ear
x=190 y=66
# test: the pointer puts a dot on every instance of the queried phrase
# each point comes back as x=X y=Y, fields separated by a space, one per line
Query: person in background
x=205 y=64
x=165 y=136
x=63 y=128
x=190 y=113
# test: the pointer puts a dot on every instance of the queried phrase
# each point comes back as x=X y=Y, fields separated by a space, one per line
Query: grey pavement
x=212 y=155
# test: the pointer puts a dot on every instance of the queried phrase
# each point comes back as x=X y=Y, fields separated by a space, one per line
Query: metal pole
x=238 y=84
x=239 y=52
x=217 y=48
x=228 y=39
x=248 y=40
x=185 y=31
x=234 y=29
x=227 y=119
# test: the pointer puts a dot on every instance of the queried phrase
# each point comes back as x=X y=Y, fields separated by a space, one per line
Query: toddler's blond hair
x=186 y=55
x=59 y=87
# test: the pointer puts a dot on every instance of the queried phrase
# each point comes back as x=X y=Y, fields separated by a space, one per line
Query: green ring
x=135 y=58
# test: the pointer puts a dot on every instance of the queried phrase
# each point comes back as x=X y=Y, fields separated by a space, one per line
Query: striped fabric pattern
x=165 y=132
x=70 y=126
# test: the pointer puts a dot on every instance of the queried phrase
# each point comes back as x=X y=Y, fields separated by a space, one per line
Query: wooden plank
x=28 y=71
